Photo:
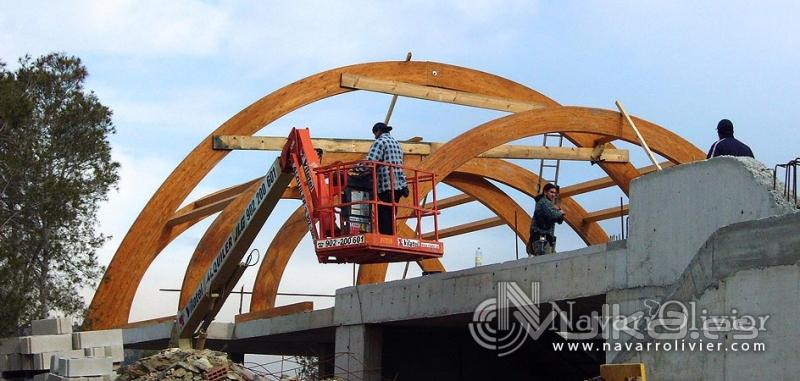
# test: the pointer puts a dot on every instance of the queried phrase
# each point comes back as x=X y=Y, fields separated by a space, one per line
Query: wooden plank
x=623 y=372
x=288 y=309
x=430 y=93
x=605 y=214
x=467 y=228
x=275 y=143
x=452 y=201
x=639 y=137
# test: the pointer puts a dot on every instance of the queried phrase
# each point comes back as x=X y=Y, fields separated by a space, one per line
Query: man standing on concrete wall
x=545 y=216
x=727 y=145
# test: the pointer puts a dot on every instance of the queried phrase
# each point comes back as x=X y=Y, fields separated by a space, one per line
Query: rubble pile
x=186 y=364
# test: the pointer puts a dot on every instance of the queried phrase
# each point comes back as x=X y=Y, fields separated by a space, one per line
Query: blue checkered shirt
x=386 y=149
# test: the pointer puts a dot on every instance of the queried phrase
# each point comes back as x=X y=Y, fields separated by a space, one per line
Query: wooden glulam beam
x=200 y=212
x=451 y=201
x=603 y=182
x=605 y=214
x=466 y=228
x=224 y=193
x=438 y=94
x=211 y=204
x=508 y=151
x=217 y=201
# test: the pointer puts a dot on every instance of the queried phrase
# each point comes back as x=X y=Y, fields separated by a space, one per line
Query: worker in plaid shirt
x=387 y=150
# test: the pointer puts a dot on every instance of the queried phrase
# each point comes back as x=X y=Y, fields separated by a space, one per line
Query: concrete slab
x=91 y=339
x=58 y=326
x=87 y=366
x=44 y=343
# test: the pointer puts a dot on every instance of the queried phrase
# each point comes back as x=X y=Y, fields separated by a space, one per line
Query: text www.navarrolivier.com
x=662 y=346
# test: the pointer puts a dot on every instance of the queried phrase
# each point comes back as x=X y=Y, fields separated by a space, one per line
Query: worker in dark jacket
x=545 y=216
x=727 y=145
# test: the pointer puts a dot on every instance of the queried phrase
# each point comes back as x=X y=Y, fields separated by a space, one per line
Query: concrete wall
x=674 y=211
x=752 y=268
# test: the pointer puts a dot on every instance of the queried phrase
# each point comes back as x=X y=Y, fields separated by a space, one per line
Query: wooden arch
x=150 y=233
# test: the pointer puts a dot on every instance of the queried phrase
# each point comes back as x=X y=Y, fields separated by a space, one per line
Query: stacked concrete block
x=95 y=339
x=66 y=355
x=44 y=343
x=41 y=361
x=60 y=326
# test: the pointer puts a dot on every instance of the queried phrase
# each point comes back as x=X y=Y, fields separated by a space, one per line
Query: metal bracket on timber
x=438 y=94
x=226 y=269
x=274 y=143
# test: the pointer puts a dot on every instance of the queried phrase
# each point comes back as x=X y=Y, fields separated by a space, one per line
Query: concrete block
x=59 y=326
x=44 y=343
x=93 y=339
x=9 y=345
x=40 y=377
x=83 y=367
x=17 y=362
x=3 y=363
x=43 y=361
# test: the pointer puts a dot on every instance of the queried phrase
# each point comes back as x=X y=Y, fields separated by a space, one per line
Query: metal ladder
x=549 y=163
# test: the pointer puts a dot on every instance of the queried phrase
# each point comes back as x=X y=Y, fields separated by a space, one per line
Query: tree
x=55 y=169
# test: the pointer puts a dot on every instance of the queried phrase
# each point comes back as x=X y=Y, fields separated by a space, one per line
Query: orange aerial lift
x=342 y=215
x=342 y=209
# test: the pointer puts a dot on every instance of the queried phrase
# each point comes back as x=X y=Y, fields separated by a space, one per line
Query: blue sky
x=174 y=71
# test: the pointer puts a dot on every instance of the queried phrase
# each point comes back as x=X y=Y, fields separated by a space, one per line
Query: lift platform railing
x=354 y=205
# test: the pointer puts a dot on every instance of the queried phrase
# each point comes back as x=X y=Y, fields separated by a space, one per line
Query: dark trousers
x=538 y=246
x=385 y=220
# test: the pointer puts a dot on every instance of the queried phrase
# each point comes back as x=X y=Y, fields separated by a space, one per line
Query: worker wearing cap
x=386 y=149
x=727 y=145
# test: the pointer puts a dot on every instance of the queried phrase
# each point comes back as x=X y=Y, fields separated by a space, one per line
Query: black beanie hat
x=725 y=126
x=382 y=127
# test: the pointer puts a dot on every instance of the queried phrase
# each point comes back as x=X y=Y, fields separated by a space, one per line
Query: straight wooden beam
x=605 y=214
x=467 y=228
x=224 y=193
x=452 y=201
x=603 y=182
x=202 y=211
x=438 y=94
x=274 y=143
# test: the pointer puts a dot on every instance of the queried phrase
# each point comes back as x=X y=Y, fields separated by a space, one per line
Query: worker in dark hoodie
x=727 y=145
x=542 y=238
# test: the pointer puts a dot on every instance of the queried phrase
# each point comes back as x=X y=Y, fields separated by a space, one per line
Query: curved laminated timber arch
x=160 y=221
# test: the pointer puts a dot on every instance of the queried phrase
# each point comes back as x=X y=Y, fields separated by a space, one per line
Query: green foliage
x=309 y=368
x=55 y=169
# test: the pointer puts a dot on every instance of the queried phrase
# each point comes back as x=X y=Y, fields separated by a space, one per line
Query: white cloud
x=132 y=28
